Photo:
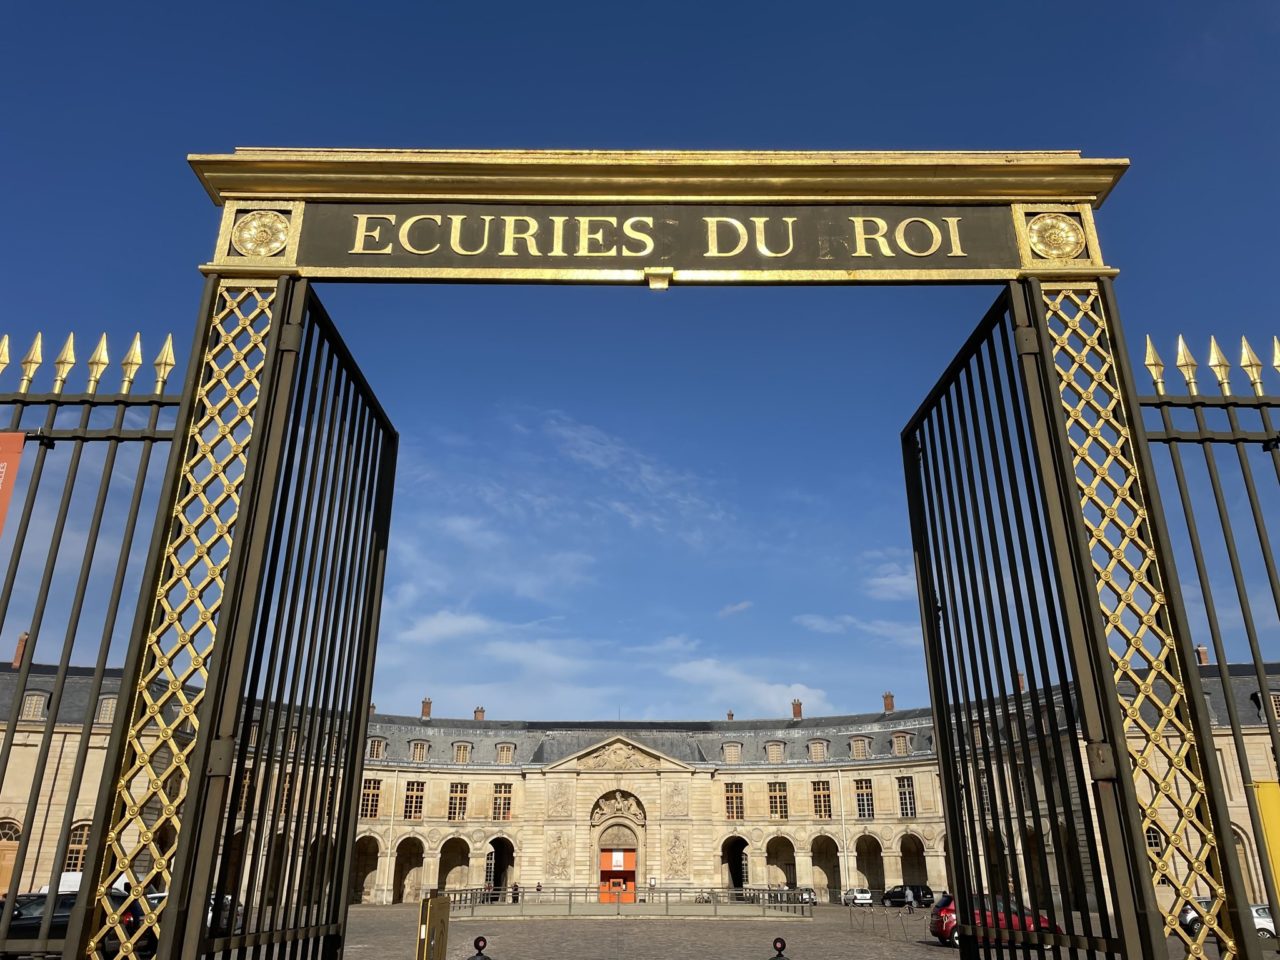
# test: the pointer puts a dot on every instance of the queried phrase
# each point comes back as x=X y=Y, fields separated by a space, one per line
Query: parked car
x=1190 y=919
x=991 y=914
x=29 y=911
x=806 y=895
x=228 y=920
x=1263 y=921
x=897 y=896
x=857 y=897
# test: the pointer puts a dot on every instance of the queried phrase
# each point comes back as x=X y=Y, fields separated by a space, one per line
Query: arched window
x=817 y=750
x=418 y=751
x=106 y=710
x=77 y=844
x=860 y=748
x=901 y=744
x=10 y=830
x=773 y=751
x=377 y=749
x=506 y=753
x=733 y=753
x=462 y=753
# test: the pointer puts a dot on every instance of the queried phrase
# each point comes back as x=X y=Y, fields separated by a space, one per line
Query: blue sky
x=614 y=502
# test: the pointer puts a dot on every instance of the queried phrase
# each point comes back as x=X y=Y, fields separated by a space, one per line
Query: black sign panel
x=354 y=237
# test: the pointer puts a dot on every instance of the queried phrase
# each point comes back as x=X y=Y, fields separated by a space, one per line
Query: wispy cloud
x=735 y=608
x=673 y=645
x=820 y=624
x=887 y=574
x=903 y=632
x=722 y=684
x=447 y=625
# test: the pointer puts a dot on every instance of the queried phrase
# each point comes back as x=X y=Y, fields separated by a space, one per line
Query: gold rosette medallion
x=262 y=233
x=1055 y=237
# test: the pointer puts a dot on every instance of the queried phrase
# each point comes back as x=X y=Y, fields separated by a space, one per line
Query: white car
x=1263 y=921
x=857 y=897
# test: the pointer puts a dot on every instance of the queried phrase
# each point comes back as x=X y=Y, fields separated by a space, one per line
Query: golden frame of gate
x=666 y=219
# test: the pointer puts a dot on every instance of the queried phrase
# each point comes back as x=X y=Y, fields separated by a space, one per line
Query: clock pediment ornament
x=618 y=756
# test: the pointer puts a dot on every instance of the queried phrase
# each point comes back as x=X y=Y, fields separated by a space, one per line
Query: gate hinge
x=1102 y=761
x=291 y=339
x=221 y=753
x=1025 y=339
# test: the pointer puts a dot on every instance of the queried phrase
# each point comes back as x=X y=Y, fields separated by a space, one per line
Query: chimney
x=888 y=702
x=1022 y=682
x=797 y=710
x=729 y=715
x=373 y=708
x=1202 y=653
x=426 y=708
x=21 y=649
x=479 y=713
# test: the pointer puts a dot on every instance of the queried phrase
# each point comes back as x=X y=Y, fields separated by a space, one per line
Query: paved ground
x=834 y=933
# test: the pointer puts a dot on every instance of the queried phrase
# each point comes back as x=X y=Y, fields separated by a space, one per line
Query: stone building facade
x=824 y=802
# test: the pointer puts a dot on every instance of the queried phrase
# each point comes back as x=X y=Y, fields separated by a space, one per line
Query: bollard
x=480 y=943
x=779 y=945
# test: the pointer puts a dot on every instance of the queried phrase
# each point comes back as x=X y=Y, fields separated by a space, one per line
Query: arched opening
x=619 y=864
x=315 y=872
x=499 y=864
x=272 y=886
x=780 y=863
x=869 y=862
x=826 y=869
x=1034 y=864
x=914 y=869
x=455 y=865
x=407 y=885
x=734 y=872
x=364 y=869
x=165 y=844
x=231 y=871
x=1246 y=865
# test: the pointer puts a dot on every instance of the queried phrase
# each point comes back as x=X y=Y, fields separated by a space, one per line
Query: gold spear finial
x=1220 y=366
x=63 y=362
x=1187 y=364
x=1275 y=353
x=4 y=352
x=164 y=363
x=97 y=364
x=1251 y=365
x=31 y=363
x=130 y=364
x=1155 y=366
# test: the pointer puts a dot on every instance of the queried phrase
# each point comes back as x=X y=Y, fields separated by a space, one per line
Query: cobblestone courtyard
x=388 y=932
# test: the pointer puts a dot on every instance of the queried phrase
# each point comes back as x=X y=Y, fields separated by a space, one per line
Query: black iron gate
x=1072 y=731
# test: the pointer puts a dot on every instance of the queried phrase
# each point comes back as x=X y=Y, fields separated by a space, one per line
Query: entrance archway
x=455 y=865
x=869 y=861
x=407 y=885
x=914 y=868
x=780 y=863
x=734 y=871
x=499 y=864
x=826 y=868
x=364 y=869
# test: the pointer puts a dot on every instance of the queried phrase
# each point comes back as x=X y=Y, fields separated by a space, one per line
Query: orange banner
x=10 y=455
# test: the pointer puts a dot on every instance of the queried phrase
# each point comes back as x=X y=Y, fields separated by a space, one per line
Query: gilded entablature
x=618 y=756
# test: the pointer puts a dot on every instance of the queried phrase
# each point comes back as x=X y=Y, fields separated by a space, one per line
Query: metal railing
x=657 y=901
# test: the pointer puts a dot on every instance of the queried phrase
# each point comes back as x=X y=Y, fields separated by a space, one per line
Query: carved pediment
x=619 y=753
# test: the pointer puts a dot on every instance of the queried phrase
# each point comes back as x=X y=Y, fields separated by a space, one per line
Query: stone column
x=804 y=868
x=892 y=859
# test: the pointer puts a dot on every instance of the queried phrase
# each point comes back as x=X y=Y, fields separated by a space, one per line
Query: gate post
x=1154 y=712
x=151 y=763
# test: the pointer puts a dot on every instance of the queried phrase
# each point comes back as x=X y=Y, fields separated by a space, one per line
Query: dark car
x=897 y=896
x=1190 y=919
x=29 y=910
x=990 y=914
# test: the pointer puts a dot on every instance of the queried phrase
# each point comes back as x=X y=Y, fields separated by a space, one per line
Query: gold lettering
x=512 y=233
x=860 y=236
x=760 y=244
x=586 y=236
x=363 y=232
x=455 y=235
x=900 y=235
x=408 y=225
x=713 y=237
x=953 y=231
x=633 y=233
x=557 y=237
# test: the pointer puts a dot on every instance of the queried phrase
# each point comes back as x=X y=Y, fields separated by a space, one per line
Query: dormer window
x=377 y=749
x=860 y=748
x=106 y=710
x=773 y=751
x=818 y=751
x=418 y=751
x=462 y=753
x=506 y=753
x=33 y=706
x=733 y=753
x=901 y=744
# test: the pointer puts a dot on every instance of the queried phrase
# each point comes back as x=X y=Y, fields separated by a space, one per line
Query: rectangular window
x=77 y=845
x=414 y=792
x=822 y=799
x=457 y=801
x=418 y=751
x=506 y=753
x=106 y=709
x=984 y=788
x=1275 y=705
x=818 y=751
x=253 y=734
x=777 y=800
x=773 y=752
x=377 y=749
x=293 y=739
x=734 y=808
x=901 y=745
x=462 y=753
x=370 y=795
x=907 y=796
x=733 y=753
x=864 y=799
x=33 y=706
x=502 y=801
x=859 y=750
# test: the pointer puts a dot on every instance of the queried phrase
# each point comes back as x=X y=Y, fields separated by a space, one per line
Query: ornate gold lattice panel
x=1180 y=836
x=146 y=820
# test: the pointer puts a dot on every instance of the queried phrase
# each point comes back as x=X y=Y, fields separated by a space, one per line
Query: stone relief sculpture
x=619 y=805
x=560 y=799
x=558 y=857
x=618 y=756
x=677 y=804
x=677 y=857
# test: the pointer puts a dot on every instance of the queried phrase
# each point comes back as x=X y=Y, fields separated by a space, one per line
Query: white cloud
x=902 y=632
x=447 y=625
x=734 y=608
x=820 y=624
x=472 y=532
x=890 y=581
x=675 y=644
x=726 y=685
